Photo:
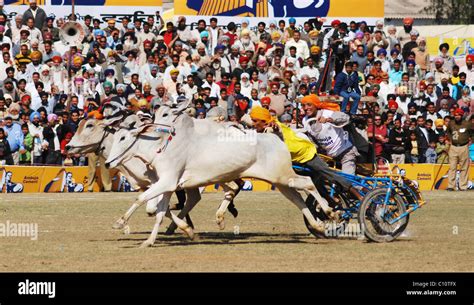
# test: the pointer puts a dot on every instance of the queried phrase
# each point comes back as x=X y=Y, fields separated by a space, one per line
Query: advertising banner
x=101 y=9
x=50 y=179
x=264 y=10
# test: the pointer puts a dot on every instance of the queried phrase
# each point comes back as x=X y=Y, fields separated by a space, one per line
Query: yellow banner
x=357 y=9
x=457 y=46
x=49 y=179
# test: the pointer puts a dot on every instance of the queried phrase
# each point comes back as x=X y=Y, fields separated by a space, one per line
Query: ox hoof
x=119 y=224
x=189 y=232
x=221 y=223
x=126 y=230
x=146 y=244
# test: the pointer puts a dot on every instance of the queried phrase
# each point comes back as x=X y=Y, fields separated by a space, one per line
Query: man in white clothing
x=325 y=128
x=301 y=46
x=309 y=70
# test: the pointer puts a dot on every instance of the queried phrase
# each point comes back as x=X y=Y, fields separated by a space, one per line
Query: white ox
x=185 y=158
x=94 y=135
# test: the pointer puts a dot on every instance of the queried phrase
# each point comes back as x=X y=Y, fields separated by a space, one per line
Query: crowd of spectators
x=395 y=93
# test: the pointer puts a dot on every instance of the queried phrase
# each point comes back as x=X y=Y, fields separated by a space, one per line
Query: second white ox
x=185 y=159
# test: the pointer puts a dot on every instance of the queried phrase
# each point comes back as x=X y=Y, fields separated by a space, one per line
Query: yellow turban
x=439 y=122
x=313 y=33
x=142 y=102
x=260 y=113
x=77 y=60
x=276 y=34
x=174 y=71
x=315 y=49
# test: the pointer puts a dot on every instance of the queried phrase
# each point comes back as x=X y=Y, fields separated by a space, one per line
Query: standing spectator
x=51 y=144
x=423 y=138
x=430 y=154
x=404 y=35
x=460 y=134
x=469 y=69
x=36 y=131
x=449 y=62
x=25 y=158
x=422 y=56
x=442 y=149
x=37 y=13
x=380 y=135
x=5 y=153
x=412 y=148
x=15 y=138
x=397 y=141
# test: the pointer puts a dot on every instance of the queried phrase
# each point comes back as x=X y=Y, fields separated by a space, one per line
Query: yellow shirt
x=301 y=150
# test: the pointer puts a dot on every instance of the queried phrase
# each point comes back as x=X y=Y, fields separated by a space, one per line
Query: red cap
x=243 y=59
x=422 y=85
x=57 y=59
x=25 y=98
x=459 y=111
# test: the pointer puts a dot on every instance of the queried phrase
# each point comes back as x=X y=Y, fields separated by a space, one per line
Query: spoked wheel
x=333 y=229
x=375 y=215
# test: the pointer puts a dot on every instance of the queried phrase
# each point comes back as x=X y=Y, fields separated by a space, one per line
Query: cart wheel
x=332 y=230
x=374 y=216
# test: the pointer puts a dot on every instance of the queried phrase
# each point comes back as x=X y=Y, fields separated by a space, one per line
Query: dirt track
x=75 y=234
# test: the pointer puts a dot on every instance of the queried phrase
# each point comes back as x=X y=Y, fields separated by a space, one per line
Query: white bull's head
x=167 y=114
x=87 y=138
x=126 y=144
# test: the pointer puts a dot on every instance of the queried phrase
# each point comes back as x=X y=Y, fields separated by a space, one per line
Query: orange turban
x=314 y=99
x=260 y=113
x=95 y=114
x=408 y=20
x=35 y=55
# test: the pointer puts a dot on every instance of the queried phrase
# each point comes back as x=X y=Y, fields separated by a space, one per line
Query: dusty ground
x=75 y=235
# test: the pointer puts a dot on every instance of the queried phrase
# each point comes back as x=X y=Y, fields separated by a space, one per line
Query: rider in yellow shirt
x=302 y=151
